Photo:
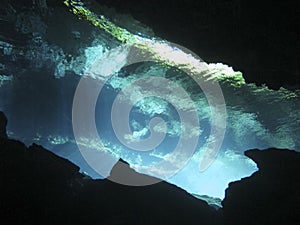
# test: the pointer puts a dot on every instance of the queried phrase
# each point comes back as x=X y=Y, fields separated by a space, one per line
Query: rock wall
x=38 y=187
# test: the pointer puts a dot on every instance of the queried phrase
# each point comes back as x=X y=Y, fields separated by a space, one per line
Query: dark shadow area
x=259 y=38
x=38 y=187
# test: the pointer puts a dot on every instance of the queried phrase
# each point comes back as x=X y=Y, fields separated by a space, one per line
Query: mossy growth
x=121 y=34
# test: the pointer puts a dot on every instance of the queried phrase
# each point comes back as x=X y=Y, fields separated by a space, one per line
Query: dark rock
x=271 y=195
x=248 y=35
x=38 y=187
x=3 y=123
x=122 y=173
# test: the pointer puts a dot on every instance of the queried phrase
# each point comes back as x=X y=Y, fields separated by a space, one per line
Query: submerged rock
x=38 y=187
x=3 y=123
x=271 y=195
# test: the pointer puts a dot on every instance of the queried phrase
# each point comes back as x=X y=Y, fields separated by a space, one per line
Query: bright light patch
x=92 y=53
x=4 y=79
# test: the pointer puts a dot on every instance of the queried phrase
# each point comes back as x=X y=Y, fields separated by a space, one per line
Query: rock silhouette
x=38 y=187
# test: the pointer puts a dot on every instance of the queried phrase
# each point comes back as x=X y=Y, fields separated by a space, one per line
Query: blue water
x=46 y=71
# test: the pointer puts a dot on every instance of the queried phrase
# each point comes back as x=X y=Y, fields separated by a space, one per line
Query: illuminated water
x=38 y=82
